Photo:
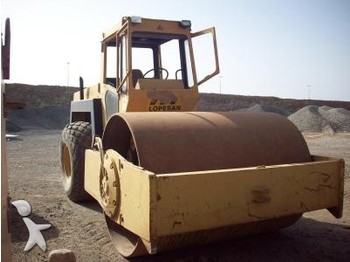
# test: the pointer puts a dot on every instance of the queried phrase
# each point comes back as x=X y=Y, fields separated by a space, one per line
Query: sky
x=289 y=49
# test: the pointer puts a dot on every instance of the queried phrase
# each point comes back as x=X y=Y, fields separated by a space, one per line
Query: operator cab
x=150 y=54
x=161 y=57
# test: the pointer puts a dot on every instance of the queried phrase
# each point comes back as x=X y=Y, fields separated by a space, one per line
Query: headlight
x=135 y=19
x=185 y=23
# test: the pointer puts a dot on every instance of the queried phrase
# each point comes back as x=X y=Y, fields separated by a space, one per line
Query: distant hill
x=217 y=102
x=43 y=96
x=39 y=96
x=47 y=107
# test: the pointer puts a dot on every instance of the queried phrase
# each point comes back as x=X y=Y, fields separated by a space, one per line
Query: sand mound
x=321 y=119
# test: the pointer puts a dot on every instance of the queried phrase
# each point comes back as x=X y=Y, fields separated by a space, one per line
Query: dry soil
x=34 y=175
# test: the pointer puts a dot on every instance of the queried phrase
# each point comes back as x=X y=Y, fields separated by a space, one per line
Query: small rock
x=62 y=255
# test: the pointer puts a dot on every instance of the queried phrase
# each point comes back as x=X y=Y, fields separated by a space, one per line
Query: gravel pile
x=264 y=108
x=52 y=117
x=321 y=119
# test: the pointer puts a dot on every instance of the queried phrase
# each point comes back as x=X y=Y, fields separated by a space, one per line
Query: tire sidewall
x=76 y=138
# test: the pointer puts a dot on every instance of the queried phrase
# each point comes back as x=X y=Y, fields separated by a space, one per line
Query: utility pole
x=308 y=91
x=68 y=63
x=220 y=77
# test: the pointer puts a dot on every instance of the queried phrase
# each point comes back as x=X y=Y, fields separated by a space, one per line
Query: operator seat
x=136 y=75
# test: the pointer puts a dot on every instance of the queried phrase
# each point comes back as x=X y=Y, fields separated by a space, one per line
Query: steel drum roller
x=183 y=142
x=196 y=141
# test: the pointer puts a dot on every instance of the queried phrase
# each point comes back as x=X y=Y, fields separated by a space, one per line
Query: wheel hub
x=109 y=187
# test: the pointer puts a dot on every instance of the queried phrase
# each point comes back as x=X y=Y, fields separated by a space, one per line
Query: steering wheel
x=160 y=70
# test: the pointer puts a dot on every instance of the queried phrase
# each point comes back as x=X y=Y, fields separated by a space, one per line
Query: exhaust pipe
x=81 y=86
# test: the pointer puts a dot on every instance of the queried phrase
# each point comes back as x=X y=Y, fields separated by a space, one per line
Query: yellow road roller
x=167 y=176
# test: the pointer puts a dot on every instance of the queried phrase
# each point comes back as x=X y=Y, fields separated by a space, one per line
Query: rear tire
x=76 y=138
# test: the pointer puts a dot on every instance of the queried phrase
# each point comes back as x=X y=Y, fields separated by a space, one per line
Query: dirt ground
x=34 y=176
